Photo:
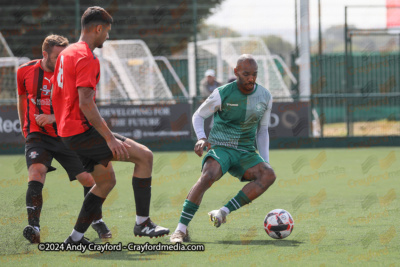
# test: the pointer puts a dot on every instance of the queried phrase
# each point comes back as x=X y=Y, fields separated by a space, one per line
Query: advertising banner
x=149 y=121
x=166 y=122
x=10 y=130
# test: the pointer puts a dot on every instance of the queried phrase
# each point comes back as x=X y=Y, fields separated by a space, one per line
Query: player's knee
x=105 y=181
x=36 y=176
x=268 y=177
x=37 y=172
x=111 y=181
x=146 y=156
x=149 y=157
x=208 y=178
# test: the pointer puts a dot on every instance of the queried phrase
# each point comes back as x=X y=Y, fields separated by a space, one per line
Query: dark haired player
x=42 y=143
x=81 y=127
x=241 y=112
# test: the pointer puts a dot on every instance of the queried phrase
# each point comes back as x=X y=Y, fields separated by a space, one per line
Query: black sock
x=86 y=190
x=34 y=202
x=142 y=192
x=91 y=209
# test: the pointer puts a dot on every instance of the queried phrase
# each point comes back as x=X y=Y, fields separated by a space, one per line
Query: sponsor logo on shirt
x=42 y=102
x=233 y=105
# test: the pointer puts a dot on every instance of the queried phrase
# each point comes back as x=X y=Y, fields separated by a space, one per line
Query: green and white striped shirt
x=237 y=118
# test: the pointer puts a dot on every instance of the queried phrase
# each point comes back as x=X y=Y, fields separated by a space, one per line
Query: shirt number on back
x=60 y=76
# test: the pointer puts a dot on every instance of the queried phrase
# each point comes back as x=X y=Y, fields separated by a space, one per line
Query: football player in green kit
x=241 y=111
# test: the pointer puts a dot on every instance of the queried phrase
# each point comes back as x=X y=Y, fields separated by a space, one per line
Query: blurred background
x=333 y=67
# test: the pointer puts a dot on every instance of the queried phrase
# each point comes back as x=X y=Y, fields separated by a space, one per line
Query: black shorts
x=91 y=148
x=41 y=148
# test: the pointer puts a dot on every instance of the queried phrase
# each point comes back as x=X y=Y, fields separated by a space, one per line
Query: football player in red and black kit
x=42 y=143
x=81 y=128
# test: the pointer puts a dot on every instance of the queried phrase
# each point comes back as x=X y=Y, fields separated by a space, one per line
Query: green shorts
x=234 y=161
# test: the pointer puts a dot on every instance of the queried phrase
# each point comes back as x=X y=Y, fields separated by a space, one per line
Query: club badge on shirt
x=45 y=90
x=33 y=155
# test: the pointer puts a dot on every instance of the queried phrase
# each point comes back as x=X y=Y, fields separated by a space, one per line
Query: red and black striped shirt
x=76 y=67
x=35 y=83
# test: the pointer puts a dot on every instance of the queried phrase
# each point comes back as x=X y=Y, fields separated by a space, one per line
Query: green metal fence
x=369 y=73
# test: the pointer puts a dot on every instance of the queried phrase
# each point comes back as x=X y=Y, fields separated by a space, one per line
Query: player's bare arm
x=89 y=109
x=21 y=109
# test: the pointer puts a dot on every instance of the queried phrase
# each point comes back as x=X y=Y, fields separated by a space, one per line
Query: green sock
x=238 y=201
x=189 y=209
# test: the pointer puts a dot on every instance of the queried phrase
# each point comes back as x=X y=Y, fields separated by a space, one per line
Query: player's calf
x=210 y=174
x=200 y=187
x=105 y=180
x=34 y=203
x=98 y=224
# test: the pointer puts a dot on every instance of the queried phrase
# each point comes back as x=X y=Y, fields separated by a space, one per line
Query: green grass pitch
x=344 y=202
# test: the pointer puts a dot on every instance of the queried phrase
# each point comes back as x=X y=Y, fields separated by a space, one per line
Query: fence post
x=195 y=44
x=322 y=116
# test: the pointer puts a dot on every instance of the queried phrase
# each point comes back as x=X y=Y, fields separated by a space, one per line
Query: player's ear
x=45 y=55
x=99 y=28
x=235 y=70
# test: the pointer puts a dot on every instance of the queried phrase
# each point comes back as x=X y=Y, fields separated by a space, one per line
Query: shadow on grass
x=124 y=255
x=262 y=242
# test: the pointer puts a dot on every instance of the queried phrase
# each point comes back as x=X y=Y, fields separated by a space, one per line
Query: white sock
x=141 y=219
x=181 y=227
x=225 y=209
x=76 y=236
x=94 y=222
x=36 y=228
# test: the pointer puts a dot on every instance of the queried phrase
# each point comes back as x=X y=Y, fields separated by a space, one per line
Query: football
x=278 y=224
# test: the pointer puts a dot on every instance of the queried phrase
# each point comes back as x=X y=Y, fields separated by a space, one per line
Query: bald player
x=241 y=111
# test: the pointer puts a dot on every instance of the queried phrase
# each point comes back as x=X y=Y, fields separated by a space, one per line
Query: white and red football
x=278 y=224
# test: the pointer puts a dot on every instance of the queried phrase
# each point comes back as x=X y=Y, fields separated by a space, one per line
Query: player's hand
x=199 y=146
x=119 y=149
x=44 y=119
